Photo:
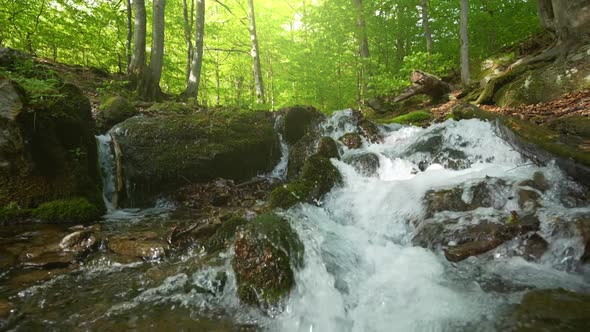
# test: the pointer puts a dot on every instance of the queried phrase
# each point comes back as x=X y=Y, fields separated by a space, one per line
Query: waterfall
x=108 y=169
x=280 y=170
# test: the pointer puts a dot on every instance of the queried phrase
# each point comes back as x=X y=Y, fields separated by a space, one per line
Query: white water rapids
x=362 y=272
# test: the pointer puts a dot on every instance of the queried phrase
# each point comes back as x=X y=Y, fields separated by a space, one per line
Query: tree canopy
x=310 y=51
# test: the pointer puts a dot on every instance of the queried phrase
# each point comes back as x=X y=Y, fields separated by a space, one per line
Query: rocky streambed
x=357 y=228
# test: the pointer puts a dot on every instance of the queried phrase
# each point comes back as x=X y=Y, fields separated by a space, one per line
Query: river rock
x=267 y=250
x=5 y=309
x=528 y=199
x=162 y=153
x=307 y=146
x=51 y=260
x=7 y=260
x=146 y=246
x=366 y=164
x=78 y=242
x=538 y=182
x=552 y=310
x=462 y=241
x=113 y=111
x=352 y=140
x=534 y=247
x=298 y=121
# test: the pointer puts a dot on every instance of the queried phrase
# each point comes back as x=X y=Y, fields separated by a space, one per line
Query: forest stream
x=393 y=248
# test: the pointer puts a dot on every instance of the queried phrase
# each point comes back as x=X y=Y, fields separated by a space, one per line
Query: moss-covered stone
x=328 y=148
x=307 y=146
x=59 y=159
x=317 y=178
x=552 y=310
x=224 y=234
x=114 y=110
x=298 y=121
x=413 y=118
x=161 y=153
x=352 y=140
x=267 y=250
x=74 y=210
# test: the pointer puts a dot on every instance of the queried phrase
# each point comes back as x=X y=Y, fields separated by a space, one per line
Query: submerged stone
x=145 y=246
x=352 y=140
x=267 y=250
x=366 y=164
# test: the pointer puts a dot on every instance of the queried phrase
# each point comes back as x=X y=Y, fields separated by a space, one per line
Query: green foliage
x=417 y=117
x=309 y=51
x=12 y=212
x=75 y=210
x=40 y=84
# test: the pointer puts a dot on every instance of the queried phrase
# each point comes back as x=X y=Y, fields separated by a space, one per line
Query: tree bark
x=192 y=87
x=465 y=75
x=137 y=65
x=363 y=49
x=188 y=30
x=425 y=84
x=255 y=53
x=129 y=32
x=149 y=87
x=568 y=20
x=426 y=24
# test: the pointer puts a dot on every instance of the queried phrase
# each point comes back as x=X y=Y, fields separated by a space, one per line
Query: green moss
x=13 y=213
x=75 y=210
x=290 y=194
x=266 y=250
x=416 y=117
x=224 y=234
x=328 y=148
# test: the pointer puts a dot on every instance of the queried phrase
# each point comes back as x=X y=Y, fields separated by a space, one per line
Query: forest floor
x=577 y=103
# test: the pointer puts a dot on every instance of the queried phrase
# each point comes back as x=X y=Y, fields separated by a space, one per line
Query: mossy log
x=424 y=84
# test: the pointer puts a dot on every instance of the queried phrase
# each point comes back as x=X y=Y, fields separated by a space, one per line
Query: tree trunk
x=568 y=20
x=137 y=65
x=129 y=32
x=149 y=87
x=426 y=24
x=465 y=75
x=363 y=49
x=425 y=84
x=259 y=85
x=188 y=29
x=192 y=88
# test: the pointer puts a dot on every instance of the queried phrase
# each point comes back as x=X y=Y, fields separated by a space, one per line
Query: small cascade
x=108 y=169
x=280 y=170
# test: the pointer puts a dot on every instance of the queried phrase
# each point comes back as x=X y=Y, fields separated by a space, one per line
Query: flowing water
x=361 y=271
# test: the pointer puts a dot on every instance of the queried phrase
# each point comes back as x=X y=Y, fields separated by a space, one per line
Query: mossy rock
x=307 y=146
x=59 y=159
x=413 y=118
x=317 y=178
x=298 y=121
x=552 y=310
x=224 y=234
x=352 y=140
x=162 y=153
x=113 y=111
x=267 y=250
x=74 y=210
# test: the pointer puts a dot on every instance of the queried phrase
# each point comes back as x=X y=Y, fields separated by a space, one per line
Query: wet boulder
x=462 y=241
x=317 y=178
x=366 y=164
x=538 y=182
x=51 y=260
x=552 y=310
x=370 y=131
x=352 y=140
x=298 y=121
x=307 y=146
x=147 y=246
x=79 y=241
x=5 y=309
x=533 y=247
x=113 y=111
x=162 y=153
x=267 y=251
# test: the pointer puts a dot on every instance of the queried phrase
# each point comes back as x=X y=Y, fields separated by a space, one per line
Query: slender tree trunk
x=149 y=87
x=363 y=50
x=137 y=65
x=255 y=53
x=188 y=31
x=426 y=24
x=129 y=32
x=192 y=87
x=465 y=75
